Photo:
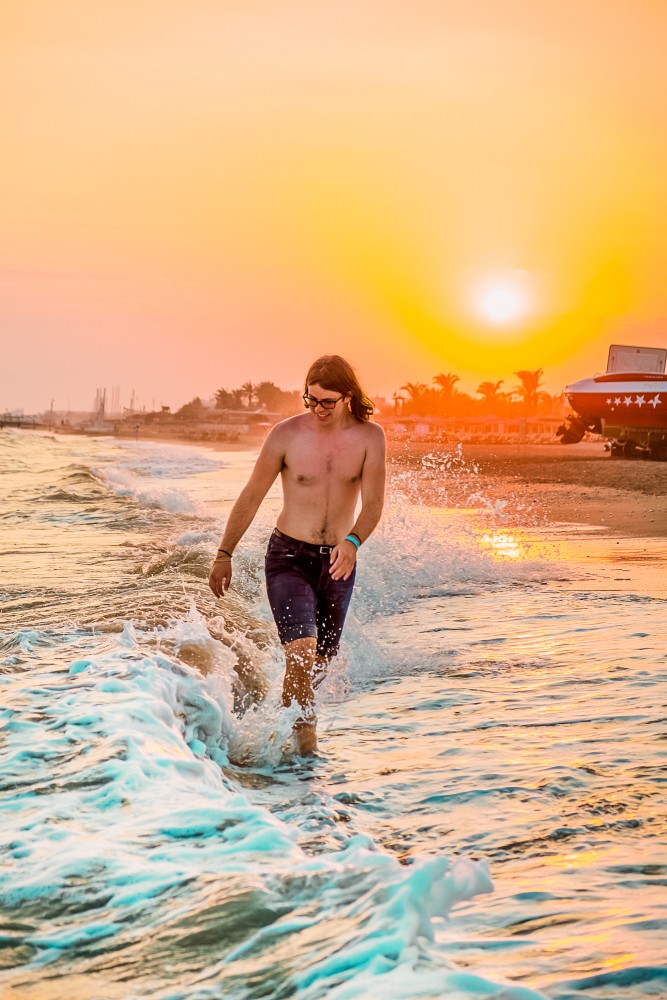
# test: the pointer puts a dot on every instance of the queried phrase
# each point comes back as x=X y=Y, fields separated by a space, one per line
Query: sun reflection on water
x=504 y=545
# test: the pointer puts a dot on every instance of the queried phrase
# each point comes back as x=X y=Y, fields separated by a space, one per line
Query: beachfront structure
x=484 y=429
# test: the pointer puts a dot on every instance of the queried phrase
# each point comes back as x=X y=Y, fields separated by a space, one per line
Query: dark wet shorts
x=304 y=597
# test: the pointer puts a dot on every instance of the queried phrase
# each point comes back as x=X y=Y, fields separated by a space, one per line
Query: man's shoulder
x=375 y=430
x=373 y=433
x=288 y=427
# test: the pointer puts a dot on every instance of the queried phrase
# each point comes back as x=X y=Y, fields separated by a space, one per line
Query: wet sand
x=577 y=484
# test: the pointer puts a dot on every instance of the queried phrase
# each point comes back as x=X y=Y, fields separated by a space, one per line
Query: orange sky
x=198 y=192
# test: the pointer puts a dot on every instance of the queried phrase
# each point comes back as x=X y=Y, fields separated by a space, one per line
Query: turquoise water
x=487 y=814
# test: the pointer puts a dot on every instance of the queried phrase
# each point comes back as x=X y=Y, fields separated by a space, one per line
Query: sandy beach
x=579 y=484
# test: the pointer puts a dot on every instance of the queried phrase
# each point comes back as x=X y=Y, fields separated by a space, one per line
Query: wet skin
x=327 y=460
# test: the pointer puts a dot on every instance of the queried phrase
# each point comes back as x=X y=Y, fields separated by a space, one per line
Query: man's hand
x=343 y=558
x=221 y=576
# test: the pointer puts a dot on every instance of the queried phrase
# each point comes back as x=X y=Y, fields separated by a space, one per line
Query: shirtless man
x=327 y=458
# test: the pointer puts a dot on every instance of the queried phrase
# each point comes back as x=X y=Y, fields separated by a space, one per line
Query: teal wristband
x=353 y=538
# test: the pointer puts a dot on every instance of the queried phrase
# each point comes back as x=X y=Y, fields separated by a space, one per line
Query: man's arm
x=268 y=465
x=373 y=477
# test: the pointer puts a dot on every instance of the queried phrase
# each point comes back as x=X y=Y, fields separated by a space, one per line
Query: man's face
x=326 y=404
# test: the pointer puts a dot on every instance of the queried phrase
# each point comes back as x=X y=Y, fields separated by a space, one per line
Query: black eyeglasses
x=310 y=402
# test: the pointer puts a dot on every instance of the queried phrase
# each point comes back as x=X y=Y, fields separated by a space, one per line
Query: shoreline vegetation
x=439 y=413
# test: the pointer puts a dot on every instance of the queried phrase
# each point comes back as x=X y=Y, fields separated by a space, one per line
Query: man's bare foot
x=305 y=737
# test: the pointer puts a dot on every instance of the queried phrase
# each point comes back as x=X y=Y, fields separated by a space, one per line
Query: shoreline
x=576 y=484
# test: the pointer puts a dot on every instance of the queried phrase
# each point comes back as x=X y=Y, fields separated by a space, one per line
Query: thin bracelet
x=353 y=538
x=225 y=552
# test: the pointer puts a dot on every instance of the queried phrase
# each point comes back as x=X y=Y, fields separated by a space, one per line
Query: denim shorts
x=305 y=599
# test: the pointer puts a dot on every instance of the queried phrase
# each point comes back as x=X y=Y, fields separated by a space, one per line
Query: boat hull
x=625 y=401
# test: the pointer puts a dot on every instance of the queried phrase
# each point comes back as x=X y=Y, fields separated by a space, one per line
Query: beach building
x=483 y=429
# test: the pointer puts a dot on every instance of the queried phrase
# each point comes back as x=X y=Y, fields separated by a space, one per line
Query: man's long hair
x=335 y=373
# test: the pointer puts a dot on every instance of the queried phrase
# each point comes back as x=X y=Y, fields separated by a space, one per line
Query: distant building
x=484 y=429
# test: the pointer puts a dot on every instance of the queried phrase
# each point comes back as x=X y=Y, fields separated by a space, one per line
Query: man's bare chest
x=325 y=465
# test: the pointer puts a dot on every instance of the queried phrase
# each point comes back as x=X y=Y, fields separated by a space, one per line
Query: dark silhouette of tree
x=194 y=410
x=528 y=391
x=290 y=402
x=493 y=400
x=238 y=395
x=248 y=389
x=268 y=395
x=416 y=403
x=225 y=400
x=446 y=383
x=415 y=390
x=489 y=391
x=442 y=401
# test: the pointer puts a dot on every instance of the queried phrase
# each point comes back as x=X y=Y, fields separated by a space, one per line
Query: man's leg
x=320 y=667
x=333 y=599
x=300 y=657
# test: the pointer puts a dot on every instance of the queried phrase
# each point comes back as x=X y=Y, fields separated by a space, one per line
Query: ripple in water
x=495 y=715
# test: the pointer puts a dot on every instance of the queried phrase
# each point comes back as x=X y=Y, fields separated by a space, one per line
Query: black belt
x=318 y=550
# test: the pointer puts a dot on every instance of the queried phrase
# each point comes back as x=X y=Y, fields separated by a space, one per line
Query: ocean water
x=487 y=815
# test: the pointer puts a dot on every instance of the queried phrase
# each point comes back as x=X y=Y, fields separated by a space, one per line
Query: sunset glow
x=503 y=302
x=201 y=193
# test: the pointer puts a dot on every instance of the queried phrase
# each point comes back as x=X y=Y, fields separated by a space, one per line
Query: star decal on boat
x=627 y=401
x=655 y=401
x=617 y=401
x=640 y=401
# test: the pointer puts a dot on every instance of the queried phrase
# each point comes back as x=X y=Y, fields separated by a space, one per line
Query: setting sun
x=505 y=301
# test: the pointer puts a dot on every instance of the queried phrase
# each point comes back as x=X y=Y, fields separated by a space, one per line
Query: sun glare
x=503 y=302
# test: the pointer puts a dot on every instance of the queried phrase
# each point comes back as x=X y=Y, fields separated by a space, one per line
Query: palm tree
x=268 y=395
x=417 y=393
x=249 y=390
x=224 y=400
x=529 y=388
x=446 y=383
x=415 y=390
x=490 y=392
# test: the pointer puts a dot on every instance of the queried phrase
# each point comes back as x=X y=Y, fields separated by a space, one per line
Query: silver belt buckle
x=325 y=550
